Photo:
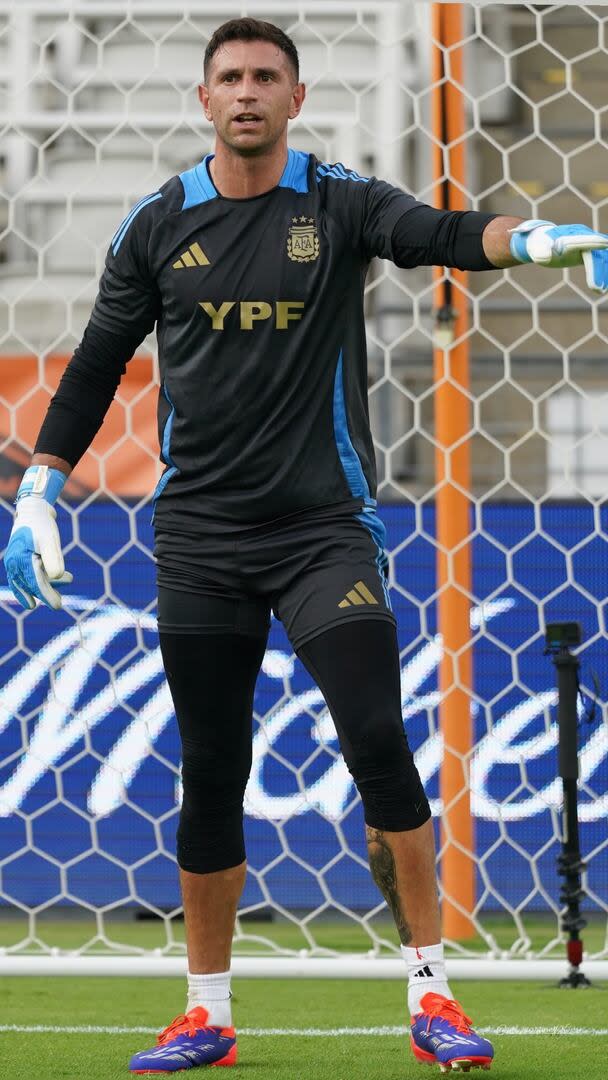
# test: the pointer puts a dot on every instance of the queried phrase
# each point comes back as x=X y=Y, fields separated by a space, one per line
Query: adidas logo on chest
x=193 y=256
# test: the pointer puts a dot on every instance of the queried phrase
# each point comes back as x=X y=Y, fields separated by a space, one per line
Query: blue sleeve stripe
x=119 y=235
x=126 y=218
x=133 y=211
x=338 y=172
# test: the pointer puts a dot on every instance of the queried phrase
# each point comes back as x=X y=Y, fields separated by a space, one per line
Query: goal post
x=453 y=489
x=491 y=443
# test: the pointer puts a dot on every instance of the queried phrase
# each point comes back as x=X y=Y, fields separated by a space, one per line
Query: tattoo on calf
x=384 y=873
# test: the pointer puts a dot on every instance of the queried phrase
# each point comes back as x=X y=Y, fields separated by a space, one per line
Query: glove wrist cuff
x=43 y=481
x=518 y=244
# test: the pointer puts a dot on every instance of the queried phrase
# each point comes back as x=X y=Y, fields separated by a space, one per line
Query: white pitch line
x=89 y=1029
x=502 y=1030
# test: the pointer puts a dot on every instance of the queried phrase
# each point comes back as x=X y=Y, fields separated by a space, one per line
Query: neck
x=239 y=177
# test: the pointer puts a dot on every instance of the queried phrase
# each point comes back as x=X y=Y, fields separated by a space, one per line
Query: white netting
x=99 y=106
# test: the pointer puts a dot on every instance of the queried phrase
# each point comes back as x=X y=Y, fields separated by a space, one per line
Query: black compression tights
x=212 y=679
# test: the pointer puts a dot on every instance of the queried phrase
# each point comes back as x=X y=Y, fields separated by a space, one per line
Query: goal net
x=98 y=107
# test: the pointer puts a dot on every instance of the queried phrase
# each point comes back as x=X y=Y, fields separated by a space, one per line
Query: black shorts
x=313 y=570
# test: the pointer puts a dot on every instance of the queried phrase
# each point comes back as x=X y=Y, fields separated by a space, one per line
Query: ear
x=203 y=97
x=297 y=100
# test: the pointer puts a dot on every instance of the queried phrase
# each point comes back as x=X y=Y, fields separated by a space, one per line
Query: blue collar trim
x=296 y=171
x=197 y=184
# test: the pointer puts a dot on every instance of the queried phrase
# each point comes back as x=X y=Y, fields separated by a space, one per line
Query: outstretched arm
x=469 y=240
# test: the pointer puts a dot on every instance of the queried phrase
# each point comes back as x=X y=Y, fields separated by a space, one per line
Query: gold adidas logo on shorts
x=360 y=594
x=194 y=256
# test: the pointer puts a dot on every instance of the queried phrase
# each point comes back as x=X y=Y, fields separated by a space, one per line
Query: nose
x=247 y=89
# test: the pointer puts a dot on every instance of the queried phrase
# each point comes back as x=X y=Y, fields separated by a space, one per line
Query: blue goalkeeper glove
x=33 y=558
x=548 y=244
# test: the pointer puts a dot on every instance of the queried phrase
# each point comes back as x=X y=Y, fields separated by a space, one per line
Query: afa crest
x=302 y=241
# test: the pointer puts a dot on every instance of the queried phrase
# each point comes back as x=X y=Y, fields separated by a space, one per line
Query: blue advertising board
x=89 y=755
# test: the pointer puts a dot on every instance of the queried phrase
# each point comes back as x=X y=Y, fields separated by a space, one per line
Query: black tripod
x=560 y=637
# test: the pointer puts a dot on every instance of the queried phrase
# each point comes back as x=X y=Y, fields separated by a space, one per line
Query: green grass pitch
x=292 y=1005
x=297 y=1005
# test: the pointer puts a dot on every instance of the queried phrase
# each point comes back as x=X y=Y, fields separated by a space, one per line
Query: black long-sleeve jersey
x=258 y=305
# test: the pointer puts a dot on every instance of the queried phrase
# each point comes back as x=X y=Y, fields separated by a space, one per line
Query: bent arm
x=125 y=311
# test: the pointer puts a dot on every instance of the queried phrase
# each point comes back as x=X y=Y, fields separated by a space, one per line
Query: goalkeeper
x=251 y=265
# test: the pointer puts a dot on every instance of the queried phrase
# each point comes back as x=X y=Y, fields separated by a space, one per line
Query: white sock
x=426 y=974
x=213 y=993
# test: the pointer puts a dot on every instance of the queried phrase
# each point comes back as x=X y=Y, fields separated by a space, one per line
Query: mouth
x=247 y=120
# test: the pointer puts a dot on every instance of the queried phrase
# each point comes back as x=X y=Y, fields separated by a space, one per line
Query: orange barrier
x=123 y=457
x=453 y=480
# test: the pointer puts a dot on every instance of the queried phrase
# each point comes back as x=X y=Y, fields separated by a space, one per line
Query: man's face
x=250 y=95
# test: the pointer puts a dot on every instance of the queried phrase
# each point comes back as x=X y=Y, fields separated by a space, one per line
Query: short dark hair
x=248 y=29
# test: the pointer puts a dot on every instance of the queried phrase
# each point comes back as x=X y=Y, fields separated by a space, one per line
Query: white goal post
x=497 y=420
